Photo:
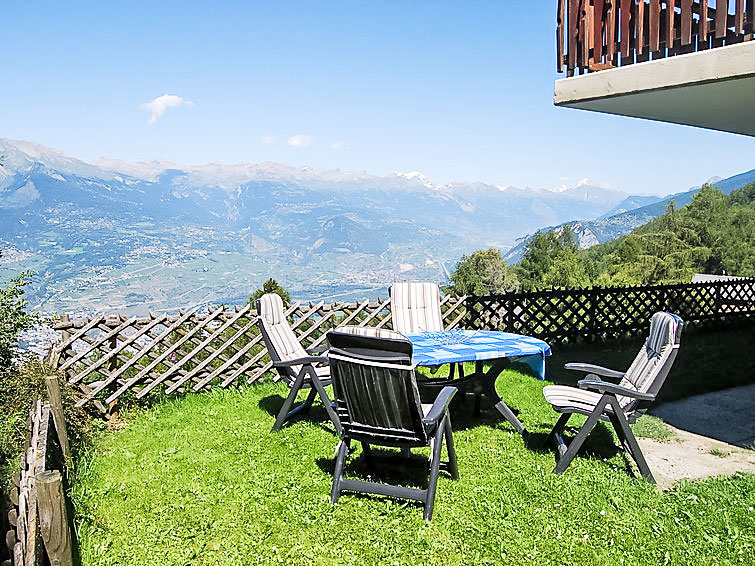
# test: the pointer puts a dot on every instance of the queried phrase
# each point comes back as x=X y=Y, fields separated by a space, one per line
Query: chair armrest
x=440 y=405
x=606 y=387
x=597 y=370
x=322 y=348
x=301 y=361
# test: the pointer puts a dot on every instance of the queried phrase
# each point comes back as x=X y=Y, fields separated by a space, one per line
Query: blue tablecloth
x=453 y=346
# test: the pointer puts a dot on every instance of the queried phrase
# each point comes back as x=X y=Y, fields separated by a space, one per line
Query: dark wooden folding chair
x=621 y=404
x=378 y=404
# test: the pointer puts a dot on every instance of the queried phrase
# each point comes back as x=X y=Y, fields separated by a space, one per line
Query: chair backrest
x=375 y=388
x=280 y=340
x=415 y=307
x=650 y=368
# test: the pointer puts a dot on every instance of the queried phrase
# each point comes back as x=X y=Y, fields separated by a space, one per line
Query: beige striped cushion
x=371 y=332
x=415 y=307
x=563 y=396
x=651 y=357
x=283 y=339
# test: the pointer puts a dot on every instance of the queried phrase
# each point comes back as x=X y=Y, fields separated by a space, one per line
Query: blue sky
x=456 y=90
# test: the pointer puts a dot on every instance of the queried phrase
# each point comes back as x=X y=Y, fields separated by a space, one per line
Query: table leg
x=480 y=383
x=489 y=379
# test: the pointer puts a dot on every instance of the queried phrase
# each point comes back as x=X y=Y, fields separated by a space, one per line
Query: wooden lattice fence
x=106 y=357
x=569 y=315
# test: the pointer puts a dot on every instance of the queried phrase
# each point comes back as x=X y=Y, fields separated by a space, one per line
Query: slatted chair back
x=280 y=340
x=415 y=307
x=650 y=368
x=375 y=388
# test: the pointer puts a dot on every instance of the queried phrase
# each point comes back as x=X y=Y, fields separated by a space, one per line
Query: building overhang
x=712 y=89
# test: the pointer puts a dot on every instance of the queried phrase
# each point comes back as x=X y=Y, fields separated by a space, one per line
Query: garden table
x=454 y=346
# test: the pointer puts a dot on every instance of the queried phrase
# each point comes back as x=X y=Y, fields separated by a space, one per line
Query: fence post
x=54 y=356
x=112 y=368
x=56 y=406
x=53 y=519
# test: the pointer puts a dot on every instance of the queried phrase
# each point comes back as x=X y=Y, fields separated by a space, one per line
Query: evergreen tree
x=270 y=286
x=482 y=273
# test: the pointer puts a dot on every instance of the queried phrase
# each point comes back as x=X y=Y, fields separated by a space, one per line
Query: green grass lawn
x=201 y=480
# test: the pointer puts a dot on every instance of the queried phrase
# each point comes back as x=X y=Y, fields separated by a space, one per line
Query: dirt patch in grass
x=713 y=436
x=691 y=456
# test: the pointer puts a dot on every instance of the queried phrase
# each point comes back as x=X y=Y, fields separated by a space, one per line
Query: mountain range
x=630 y=214
x=114 y=235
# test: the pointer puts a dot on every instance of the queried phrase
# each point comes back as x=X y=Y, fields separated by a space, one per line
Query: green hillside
x=714 y=233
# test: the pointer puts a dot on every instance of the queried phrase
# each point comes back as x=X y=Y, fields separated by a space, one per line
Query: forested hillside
x=715 y=233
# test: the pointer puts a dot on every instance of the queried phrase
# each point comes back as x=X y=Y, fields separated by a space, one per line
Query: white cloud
x=338 y=145
x=268 y=140
x=299 y=140
x=159 y=105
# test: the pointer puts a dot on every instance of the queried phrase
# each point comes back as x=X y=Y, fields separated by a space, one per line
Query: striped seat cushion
x=651 y=357
x=371 y=332
x=564 y=397
x=282 y=338
x=415 y=307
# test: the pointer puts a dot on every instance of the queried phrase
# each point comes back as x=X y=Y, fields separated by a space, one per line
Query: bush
x=22 y=381
x=13 y=318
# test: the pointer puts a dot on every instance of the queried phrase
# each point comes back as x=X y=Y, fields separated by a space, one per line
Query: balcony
x=659 y=60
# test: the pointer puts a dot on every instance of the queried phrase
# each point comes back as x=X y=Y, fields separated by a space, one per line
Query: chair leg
x=283 y=414
x=366 y=451
x=557 y=429
x=310 y=399
x=578 y=440
x=317 y=384
x=343 y=453
x=453 y=468
x=629 y=440
x=435 y=454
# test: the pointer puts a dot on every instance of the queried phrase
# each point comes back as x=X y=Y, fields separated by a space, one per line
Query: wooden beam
x=670 y=23
x=721 y=16
x=56 y=408
x=686 y=22
x=624 y=30
x=639 y=36
x=739 y=16
x=560 y=37
x=572 y=44
x=53 y=519
x=655 y=25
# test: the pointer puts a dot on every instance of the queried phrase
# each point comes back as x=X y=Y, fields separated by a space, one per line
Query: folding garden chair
x=298 y=368
x=378 y=404
x=620 y=404
x=415 y=308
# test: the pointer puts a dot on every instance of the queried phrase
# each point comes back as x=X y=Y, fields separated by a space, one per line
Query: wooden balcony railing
x=593 y=35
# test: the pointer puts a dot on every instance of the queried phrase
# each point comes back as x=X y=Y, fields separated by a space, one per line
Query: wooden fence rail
x=593 y=35
x=569 y=315
x=39 y=531
x=106 y=357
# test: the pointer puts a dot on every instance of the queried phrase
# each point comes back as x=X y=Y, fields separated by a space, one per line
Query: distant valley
x=131 y=237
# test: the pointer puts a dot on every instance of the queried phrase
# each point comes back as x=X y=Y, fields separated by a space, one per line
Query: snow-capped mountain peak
x=417 y=177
